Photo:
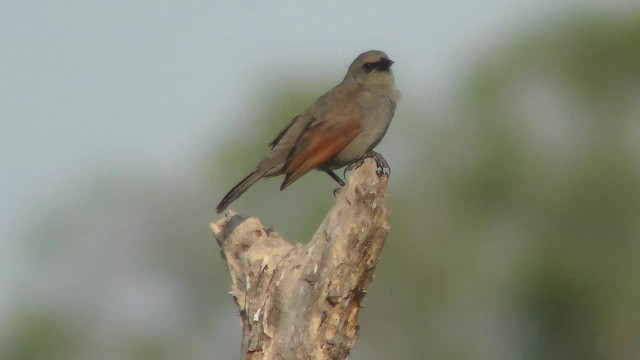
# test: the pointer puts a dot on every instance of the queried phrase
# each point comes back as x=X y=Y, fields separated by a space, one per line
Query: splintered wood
x=302 y=301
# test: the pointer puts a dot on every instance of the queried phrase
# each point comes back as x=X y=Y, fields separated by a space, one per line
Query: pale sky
x=107 y=85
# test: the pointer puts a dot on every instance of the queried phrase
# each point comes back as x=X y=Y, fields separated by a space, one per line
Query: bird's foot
x=381 y=163
x=383 y=167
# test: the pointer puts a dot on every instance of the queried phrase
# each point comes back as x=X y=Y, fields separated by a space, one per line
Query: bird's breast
x=377 y=110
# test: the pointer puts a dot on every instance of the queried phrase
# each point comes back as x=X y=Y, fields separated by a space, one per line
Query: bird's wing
x=322 y=140
x=278 y=138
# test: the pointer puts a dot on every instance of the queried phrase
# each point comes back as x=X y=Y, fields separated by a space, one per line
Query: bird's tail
x=239 y=189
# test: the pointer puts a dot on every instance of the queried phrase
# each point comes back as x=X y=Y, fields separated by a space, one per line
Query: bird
x=341 y=128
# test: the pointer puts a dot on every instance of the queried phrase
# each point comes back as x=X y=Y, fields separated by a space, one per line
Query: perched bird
x=340 y=128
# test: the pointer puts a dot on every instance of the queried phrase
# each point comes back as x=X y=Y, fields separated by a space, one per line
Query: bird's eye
x=368 y=67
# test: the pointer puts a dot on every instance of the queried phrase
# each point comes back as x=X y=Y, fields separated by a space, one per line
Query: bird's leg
x=381 y=162
x=335 y=177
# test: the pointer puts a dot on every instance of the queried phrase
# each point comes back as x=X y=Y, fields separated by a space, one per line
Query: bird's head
x=371 y=68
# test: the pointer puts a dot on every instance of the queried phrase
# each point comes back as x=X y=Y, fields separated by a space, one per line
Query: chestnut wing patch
x=320 y=142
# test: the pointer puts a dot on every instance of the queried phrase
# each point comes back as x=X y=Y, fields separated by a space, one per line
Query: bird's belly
x=365 y=141
x=353 y=152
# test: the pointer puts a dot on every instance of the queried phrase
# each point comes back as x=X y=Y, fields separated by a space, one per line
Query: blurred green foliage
x=515 y=224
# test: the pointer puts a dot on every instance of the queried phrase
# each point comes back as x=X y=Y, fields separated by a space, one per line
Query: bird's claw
x=381 y=163
x=352 y=167
x=383 y=167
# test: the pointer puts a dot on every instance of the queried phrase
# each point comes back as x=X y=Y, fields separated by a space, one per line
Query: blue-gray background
x=515 y=194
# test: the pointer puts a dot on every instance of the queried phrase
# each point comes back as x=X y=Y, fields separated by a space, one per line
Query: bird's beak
x=384 y=64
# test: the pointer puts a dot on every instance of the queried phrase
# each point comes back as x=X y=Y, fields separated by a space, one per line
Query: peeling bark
x=302 y=301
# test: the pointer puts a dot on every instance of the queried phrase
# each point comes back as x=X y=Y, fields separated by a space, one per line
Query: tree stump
x=302 y=301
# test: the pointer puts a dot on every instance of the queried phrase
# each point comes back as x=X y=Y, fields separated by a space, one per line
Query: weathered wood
x=302 y=301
